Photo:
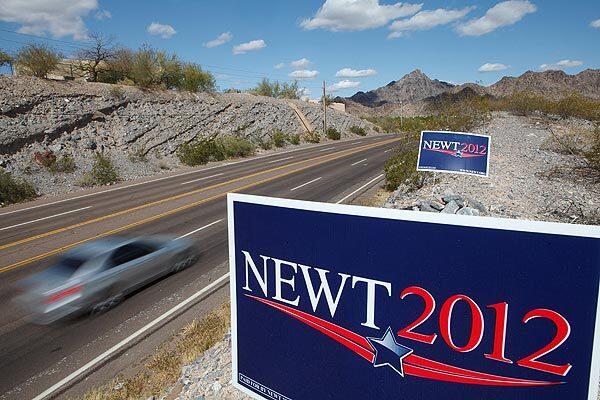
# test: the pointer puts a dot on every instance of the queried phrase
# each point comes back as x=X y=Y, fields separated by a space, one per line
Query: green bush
x=401 y=168
x=214 y=149
x=265 y=144
x=357 y=130
x=278 y=90
x=103 y=172
x=312 y=137
x=65 y=164
x=13 y=190
x=194 y=79
x=234 y=146
x=279 y=138
x=38 y=60
x=333 y=134
x=294 y=139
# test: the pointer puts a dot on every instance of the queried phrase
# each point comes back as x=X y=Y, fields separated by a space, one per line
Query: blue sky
x=373 y=41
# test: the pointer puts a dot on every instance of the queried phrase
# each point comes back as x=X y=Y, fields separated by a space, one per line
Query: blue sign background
x=527 y=270
x=458 y=157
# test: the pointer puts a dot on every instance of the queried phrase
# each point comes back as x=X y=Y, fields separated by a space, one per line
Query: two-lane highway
x=190 y=204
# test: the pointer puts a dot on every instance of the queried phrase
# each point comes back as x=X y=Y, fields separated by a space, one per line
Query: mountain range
x=415 y=88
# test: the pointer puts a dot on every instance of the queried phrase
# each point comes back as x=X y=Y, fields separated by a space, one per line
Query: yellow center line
x=323 y=159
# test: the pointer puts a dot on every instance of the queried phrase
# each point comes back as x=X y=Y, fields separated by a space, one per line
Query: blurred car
x=98 y=275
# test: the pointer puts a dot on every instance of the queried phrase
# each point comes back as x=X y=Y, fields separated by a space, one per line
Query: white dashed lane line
x=304 y=184
x=358 y=162
x=44 y=218
x=201 y=179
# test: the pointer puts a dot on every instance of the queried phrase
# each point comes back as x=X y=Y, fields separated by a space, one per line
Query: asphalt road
x=33 y=358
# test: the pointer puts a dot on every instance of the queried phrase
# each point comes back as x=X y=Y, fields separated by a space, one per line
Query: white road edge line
x=304 y=184
x=358 y=162
x=201 y=179
x=280 y=159
x=199 y=229
x=360 y=188
x=44 y=218
x=108 y=353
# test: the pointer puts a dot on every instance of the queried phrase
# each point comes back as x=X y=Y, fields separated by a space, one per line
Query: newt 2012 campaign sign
x=455 y=152
x=343 y=302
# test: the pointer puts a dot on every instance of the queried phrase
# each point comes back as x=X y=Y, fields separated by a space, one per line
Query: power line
x=259 y=75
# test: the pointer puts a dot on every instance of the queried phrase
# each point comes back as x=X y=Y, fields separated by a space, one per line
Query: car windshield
x=67 y=266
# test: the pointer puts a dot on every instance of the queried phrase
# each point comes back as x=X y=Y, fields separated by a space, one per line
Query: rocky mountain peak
x=413 y=86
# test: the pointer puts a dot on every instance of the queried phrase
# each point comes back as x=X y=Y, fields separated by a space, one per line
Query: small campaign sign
x=343 y=302
x=454 y=152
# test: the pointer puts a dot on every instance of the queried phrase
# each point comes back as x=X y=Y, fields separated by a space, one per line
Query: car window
x=67 y=266
x=128 y=252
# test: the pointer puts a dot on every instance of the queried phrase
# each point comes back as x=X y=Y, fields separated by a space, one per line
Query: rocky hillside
x=77 y=119
x=416 y=90
x=412 y=87
x=552 y=84
x=99 y=116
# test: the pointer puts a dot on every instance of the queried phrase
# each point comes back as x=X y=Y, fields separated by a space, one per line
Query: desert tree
x=94 y=61
x=38 y=59
x=5 y=59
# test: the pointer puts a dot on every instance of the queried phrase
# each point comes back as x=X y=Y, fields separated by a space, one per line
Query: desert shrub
x=333 y=134
x=214 y=149
x=279 y=138
x=117 y=92
x=13 y=190
x=163 y=165
x=38 y=59
x=312 y=137
x=5 y=59
x=278 y=90
x=46 y=158
x=234 y=146
x=414 y=125
x=264 y=144
x=138 y=155
x=357 y=130
x=401 y=168
x=294 y=139
x=199 y=152
x=194 y=79
x=64 y=164
x=593 y=154
x=103 y=172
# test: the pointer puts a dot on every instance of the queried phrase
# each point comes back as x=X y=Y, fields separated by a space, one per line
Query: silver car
x=96 y=276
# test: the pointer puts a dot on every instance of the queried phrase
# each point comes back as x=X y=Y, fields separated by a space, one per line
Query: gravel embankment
x=78 y=119
x=528 y=179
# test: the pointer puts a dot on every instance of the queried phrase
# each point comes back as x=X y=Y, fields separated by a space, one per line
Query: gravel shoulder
x=528 y=179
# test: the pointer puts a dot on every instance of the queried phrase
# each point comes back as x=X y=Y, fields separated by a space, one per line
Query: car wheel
x=104 y=305
x=184 y=262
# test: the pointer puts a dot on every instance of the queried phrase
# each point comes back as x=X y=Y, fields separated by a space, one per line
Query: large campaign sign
x=343 y=302
x=455 y=152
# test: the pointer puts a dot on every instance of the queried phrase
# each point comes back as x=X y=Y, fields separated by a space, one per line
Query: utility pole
x=324 y=110
x=401 y=113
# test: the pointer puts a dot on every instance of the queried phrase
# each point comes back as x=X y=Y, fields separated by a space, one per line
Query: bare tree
x=94 y=60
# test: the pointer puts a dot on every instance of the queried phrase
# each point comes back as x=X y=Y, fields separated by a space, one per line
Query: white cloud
x=165 y=31
x=304 y=74
x=345 y=84
x=357 y=15
x=221 y=39
x=562 y=64
x=595 y=24
x=502 y=14
x=354 y=73
x=301 y=63
x=424 y=20
x=59 y=18
x=279 y=66
x=103 y=14
x=252 y=45
x=493 y=67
